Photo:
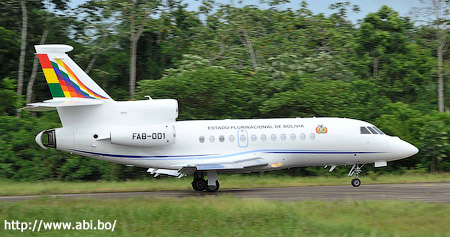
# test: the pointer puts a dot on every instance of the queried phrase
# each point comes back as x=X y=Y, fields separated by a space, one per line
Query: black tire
x=199 y=184
x=356 y=183
x=209 y=188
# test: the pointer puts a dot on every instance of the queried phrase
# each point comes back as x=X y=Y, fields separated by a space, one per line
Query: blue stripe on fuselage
x=216 y=156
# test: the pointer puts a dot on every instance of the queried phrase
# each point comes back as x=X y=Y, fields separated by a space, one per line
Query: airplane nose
x=409 y=149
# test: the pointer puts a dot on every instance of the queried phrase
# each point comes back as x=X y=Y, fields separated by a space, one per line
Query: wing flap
x=188 y=169
x=237 y=165
x=218 y=166
x=253 y=162
x=158 y=172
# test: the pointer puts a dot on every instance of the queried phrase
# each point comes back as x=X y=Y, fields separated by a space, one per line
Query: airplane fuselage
x=283 y=143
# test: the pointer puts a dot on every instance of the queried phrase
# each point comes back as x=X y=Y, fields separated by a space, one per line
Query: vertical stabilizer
x=64 y=77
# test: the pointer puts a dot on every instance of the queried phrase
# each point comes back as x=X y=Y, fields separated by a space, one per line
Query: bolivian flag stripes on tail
x=62 y=81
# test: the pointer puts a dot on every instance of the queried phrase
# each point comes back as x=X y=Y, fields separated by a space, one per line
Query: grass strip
x=231 y=216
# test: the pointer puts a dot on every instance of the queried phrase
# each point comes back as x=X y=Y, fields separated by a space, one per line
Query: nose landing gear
x=356 y=182
x=355 y=171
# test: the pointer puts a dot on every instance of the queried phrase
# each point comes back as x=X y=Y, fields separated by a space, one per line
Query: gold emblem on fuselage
x=320 y=129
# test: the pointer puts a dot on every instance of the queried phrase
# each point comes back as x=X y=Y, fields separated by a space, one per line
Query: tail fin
x=64 y=77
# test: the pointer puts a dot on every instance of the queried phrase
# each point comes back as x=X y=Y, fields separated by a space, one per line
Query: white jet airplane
x=146 y=134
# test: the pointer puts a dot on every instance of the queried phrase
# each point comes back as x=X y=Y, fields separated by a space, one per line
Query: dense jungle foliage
x=223 y=61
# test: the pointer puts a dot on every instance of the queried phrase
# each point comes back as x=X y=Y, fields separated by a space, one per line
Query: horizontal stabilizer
x=63 y=102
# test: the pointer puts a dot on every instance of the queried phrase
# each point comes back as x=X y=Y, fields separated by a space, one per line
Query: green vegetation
x=223 y=61
x=8 y=187
x=219 y=216
x=219 y=62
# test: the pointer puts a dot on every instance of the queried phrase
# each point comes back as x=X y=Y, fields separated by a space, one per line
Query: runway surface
x=423 y=192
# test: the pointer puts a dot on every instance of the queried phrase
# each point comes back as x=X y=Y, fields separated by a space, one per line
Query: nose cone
x=408 y=149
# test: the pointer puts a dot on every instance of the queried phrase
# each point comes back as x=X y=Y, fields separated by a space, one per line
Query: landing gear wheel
x=212 y=188
x=355 y=171
x=356 y=183
x=199 y=184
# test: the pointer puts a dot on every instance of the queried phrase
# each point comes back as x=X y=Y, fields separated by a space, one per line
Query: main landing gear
x=355 y=170
x=210 y=185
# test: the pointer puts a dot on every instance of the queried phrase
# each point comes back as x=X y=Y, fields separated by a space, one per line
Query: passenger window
x=242 y=138
x=273 y=137
x=221 y=138
x=378 y=130
x=283 y=137
x=364 y=130
x=372 y=130
x=263 y=137
x=201 y=139
x=312 y=136
x=253 y=138
x=231 y=138
x=293 y=137
x=302 y=136
x=212 y=138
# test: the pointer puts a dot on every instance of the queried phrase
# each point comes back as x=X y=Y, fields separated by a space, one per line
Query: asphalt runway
x=419 y=192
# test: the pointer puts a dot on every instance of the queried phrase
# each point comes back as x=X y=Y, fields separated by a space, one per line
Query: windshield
x=370 y=130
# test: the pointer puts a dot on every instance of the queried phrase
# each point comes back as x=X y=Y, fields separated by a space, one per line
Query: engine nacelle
x=46 y=139
x=148 y=136
x=158 y=111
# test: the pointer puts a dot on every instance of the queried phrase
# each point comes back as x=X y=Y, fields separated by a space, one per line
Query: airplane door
x=242 y=138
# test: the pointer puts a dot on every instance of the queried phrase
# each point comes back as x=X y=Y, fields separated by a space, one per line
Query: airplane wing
x=64 y=102
x=189 y=169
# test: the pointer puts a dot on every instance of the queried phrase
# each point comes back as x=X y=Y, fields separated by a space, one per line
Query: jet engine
x=46 y=139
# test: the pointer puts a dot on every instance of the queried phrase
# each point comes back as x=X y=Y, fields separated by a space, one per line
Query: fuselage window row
x=254 y=137
x=293 y=137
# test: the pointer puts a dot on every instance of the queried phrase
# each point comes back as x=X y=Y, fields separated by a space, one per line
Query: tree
x=130 y=19
x=34 y=70
x=434 y=143
x=49 y=21
x=303 y=96
x=8 y=99
x=23 y=45
x=137 y=13
x=386 y=53
x=9 y=46
x=203 y=93
x=381 y=33
x=436 y=13
x=96 y=31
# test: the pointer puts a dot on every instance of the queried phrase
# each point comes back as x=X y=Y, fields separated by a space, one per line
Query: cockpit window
x=378 y=130
x=364 y=130
x=372 y=130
